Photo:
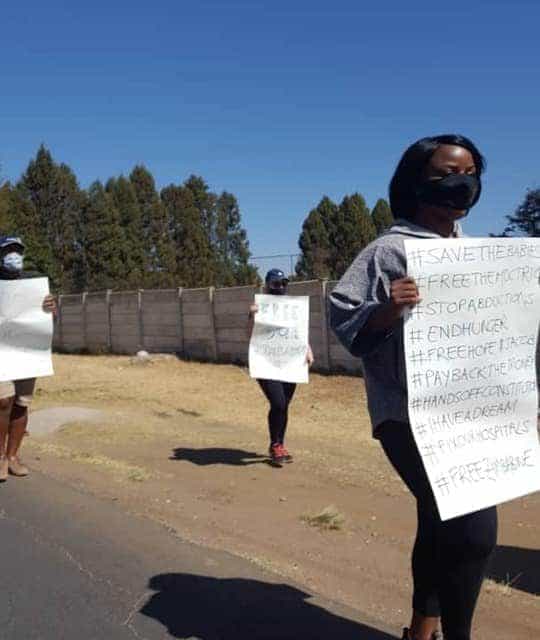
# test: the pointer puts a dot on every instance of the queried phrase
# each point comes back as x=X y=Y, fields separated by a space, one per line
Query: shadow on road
x=215 y=455
x=193 y=606
x=518 y=567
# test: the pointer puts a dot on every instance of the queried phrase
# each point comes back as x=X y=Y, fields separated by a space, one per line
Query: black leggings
x=450 y=558
x=279 y=396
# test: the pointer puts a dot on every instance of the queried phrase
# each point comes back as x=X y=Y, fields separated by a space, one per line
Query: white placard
x=471 y=373
x=279 y=342
x=25 y=329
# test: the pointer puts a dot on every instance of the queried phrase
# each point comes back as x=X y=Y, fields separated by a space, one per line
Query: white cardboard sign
x=25 y=330
x=471 y=368
x=279 y=342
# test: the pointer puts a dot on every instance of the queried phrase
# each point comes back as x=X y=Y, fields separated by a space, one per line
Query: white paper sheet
x=471 y=368
x=279 y=342
x=25 y=329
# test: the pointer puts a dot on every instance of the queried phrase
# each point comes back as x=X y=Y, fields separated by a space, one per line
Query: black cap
x=6 y=241
x=276 y=275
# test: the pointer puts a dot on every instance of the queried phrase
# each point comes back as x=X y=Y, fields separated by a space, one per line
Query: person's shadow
x=516 y=567
x=216 y=455
x=193 y=606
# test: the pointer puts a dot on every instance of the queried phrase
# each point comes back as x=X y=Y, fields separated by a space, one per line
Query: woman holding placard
x=15 y=396
x=436 y=183
x=278 y=392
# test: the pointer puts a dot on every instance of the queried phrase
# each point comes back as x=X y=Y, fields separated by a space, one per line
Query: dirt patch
x=44 y=422
x=185 y=444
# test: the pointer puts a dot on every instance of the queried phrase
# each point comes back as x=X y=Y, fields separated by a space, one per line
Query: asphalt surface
x=75 y=567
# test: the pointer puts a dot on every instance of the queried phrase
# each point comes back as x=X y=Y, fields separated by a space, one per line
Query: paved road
x=76 y=568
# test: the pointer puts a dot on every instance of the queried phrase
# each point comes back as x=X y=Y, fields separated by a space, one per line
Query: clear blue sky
x=276 y=101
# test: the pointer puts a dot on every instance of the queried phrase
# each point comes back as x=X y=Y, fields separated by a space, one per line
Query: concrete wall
x=231 y=321
x=161 y=317
x=71 y=321
x=126 y=326
x=98 y=335
x=198 y=324
x=203 y=324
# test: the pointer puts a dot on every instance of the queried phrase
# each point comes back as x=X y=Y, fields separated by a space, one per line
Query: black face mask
x=456 y=191
x=277 y=292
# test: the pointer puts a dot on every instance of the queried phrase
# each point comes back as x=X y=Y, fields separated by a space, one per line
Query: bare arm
x=251 y=318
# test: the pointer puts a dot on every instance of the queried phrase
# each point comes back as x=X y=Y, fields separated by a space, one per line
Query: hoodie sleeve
x=364 y=287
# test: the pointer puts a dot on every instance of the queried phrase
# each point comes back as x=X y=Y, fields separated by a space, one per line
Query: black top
x=21 y=275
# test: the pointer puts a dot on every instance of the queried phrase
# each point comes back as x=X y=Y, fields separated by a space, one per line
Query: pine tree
x=132 y=248
x=526 y=219
x=49 y=205
x=157 y=243
x=353 y=230
x=162 y=271
x=232 y=247
x=145 y=192
x=124 y=235
x=102 y=239
x=67 y=244
x=193 y=255
x=205 y=201
x=33 y=208
x=382 y=216
x=6 y=205
x=314 y=241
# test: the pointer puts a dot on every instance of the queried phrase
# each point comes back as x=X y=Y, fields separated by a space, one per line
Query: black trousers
x=449 y=558
x=279 y=396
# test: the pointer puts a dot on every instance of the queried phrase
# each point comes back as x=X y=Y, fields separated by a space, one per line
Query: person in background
x=436 y=183
x=278 y=393
x=15 y=396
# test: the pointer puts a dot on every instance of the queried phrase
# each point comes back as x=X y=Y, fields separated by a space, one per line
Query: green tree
x=205 y=202
x=159 y=268
x=193 y=254
x=526 y=219
x=382 y=216
x=231 y=246
x=48 y=204
x=314 y=242
x=102 y=238
x=33 y=207
x=131 y=249
x=6 y=207
x=353 y=229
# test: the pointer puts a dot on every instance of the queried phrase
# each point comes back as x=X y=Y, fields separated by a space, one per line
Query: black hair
x=409 y=172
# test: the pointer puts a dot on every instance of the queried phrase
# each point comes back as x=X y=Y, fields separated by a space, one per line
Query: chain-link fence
x=284 y=261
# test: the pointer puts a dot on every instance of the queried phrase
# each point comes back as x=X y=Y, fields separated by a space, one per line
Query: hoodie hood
x=405 y=228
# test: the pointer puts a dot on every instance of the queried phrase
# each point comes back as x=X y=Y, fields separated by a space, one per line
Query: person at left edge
x=15 y=396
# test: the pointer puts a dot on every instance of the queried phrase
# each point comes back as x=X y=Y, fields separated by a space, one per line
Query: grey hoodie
x=363 y=288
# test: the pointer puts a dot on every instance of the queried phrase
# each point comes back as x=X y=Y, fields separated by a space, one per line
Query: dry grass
x=122 y=470
x=329 y=519
x=158 y=403
x=222 y=394
x=505 y=588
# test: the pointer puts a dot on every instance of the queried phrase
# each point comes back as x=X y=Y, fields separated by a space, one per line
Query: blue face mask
x=13 y=262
